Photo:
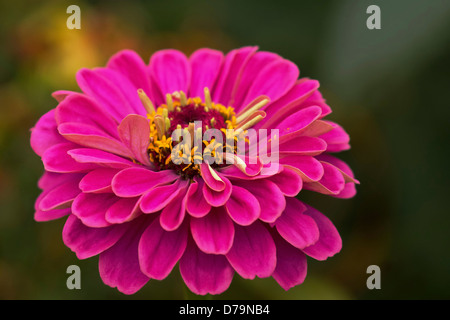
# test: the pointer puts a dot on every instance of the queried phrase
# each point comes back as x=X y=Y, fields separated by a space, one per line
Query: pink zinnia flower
x=109 y=169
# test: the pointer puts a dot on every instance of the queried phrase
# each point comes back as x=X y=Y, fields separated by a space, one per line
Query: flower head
x=195 y=161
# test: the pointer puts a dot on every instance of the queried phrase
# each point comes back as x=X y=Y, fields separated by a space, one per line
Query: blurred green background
x=388 y=88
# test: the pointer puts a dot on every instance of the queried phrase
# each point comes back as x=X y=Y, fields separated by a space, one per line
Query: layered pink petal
x=92 y=137
x=100 y=158
x=45 y=134
x=291 y=102
x=217 y=198
x=297 y=228
x=57 y=159
x=332 y=181
x=255 y=64
x=303 y=145
x=270 y=198
x=133 y=182
x=205 y=66
x=214 y=232
x=128 y=90
x=98 y=180
x=84 y=110
x=288 y=181
x=123 y=210
x=243 y=207
x=159 y=197
x=87 y=242
x=205 y=273
x=40 y=215
x=91 y=208
x=160 y=250
x=229 y=77
x=291 y=265
x=134 y=132
x=337 y=139
x=119 y=265
x=274 y=80
x=308 y=167
x=196 y=204
x=105 y=92
x=61 y=196
x=60 y=95
x=171 y=71
x=131 y=66
x=329 y=242
x=253 y=252
x=173 y=214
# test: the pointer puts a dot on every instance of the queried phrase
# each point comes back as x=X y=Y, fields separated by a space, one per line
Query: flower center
x=212 y=128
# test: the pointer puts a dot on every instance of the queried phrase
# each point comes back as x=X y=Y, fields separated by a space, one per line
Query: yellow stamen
x=183 y=99
x=251 y=110
x=146 y=102
x=249 y=124
x=208 y=101
x=160 y=125
x=169 y=102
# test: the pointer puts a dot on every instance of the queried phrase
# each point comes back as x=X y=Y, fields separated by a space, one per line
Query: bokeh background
x=389 y=88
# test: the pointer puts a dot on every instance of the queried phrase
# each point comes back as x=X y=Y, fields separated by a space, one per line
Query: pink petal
x=131 y=65
x=291 y=265
x=133 y=182
x=329 y=242
x=60 y=95
x=105 y=92
x=291 y=102
x=196 y=203
x=297 y=228
x=229 y=77
x=205 y=273
x=242 y=206
x=302 y=145
x=119 y=265
x=91 y=208
x=99 y=157
x=214 y=232
x=87 y=242
x=159 y=197
x=217 y=198
x=81 y=109
x=205 y=65
x=173 y=214
x=332 y=181
x=61 y=196
x=255 y=64
x=337 y=139
x=288 y=181
x=253 y=252
x=134 y=132
x=45 y=134
x=171 y=71
x=271 y=200
x=50 y=180
x=316 y=99
x=213 y=183
x=274 y=80
x=309 y=168
x=125 y=209
x=98 y=180
x=298 y=121
x=126 y=88
x=91 y=137
x=56 y=159
x=40 y=215
x=160 y=250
